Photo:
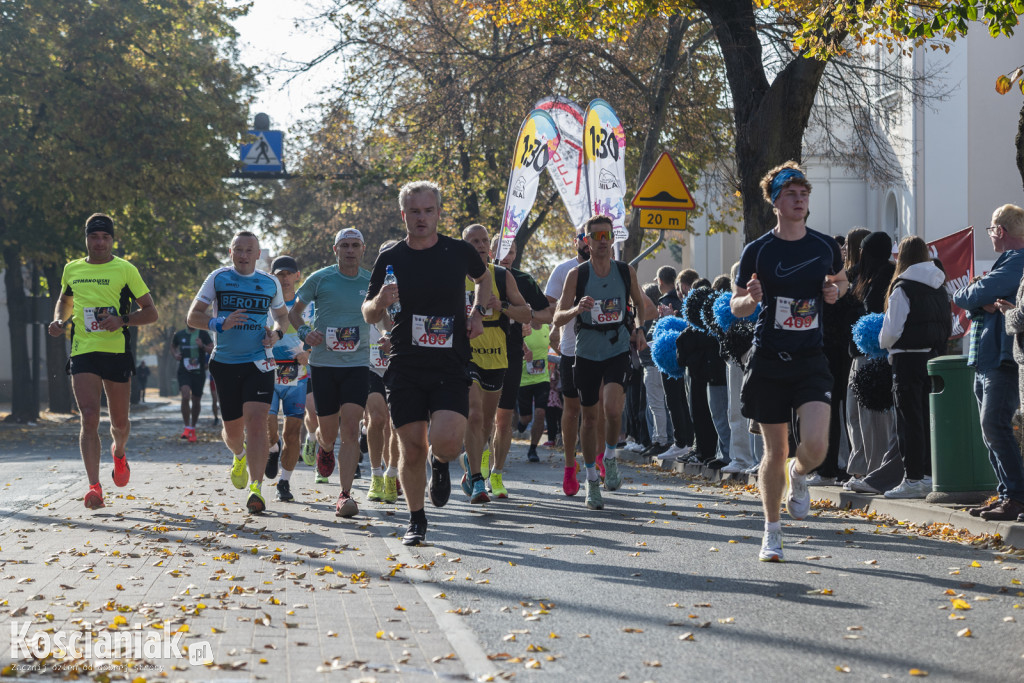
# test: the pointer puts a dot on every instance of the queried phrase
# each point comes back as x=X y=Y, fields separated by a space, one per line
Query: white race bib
x=536 y=367
x=796 y=314
x=287 y=373
x=433 y=331
x=377 y=359
x=608 y=311
x=470 y=298
x=192 y=364
x=342 y=339
x=93 y=316
x=265 y=365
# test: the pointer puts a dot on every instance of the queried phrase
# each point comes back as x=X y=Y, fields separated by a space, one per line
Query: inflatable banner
x=604 y=155
x=565 y=167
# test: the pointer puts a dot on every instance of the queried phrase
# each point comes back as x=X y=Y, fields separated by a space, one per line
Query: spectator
x=743 y=445
x=659 y=424
x=672 y=293
x=142 y=375
x=991 y=355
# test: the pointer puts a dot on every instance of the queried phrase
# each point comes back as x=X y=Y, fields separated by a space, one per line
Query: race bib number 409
x=342 y=339
x=93 y=316
x=433 y=331
x=796 y=314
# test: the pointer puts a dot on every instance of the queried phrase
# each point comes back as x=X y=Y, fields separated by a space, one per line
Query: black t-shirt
x=534 y=296
x=430 y=330
x=671 y=299
x=192 y=359
x=792 y=274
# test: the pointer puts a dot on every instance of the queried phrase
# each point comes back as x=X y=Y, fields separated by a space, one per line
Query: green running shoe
x=256 y=502
x=390 y=489
x=612 y=478
x=309 y=452
x=239 y=472
x=498 y=486
x=322 y=480
x=376 y=493
x=594 y=499
x=485 y=462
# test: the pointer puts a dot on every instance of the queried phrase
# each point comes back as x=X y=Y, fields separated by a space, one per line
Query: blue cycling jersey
x=229 y=291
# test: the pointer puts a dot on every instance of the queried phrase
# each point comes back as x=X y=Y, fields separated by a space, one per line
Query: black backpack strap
x=582 y=275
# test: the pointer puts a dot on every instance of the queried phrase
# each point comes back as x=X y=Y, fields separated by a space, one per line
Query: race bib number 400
x=377 y=359
x=433 y=331
x=796 y=314
x=342 y=339
x=610 y=311
x=93 y=316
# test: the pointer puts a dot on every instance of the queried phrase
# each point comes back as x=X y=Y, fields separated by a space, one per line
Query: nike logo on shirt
x=781 y=271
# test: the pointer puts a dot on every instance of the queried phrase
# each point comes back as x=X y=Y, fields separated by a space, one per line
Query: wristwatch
x=124 y=320
x=480 y=309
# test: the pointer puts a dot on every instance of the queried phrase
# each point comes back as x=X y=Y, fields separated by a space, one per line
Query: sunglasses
x=994 y=230
x=600 y=235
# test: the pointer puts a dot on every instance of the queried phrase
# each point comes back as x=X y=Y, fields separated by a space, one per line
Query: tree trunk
x=22 y=409
x=58 y=383
x=526 y=232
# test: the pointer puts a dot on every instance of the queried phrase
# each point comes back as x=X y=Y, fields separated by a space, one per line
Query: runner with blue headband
x=791 y=271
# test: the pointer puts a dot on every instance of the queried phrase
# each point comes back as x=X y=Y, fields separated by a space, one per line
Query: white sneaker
x=733 y=468
x=634 y=447
x=911 y=488
x=848 y=484
x=861 y=486
x=818 y=480
x=771 y=547
x=798 y=503
x=753 y=469
x=675 y=453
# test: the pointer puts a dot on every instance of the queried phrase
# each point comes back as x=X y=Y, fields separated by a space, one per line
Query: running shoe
x=376 y=493
x=415 y=534
x=467 y=483
x=121 y=472
x=498 y=486
x=600 y=465
x=485 y=463
x=390 y=489
x=549 y=444
x=358 y=474
x=256 y=502
x=324 y=461
x=479 y=493
x=284 y=491
x=570 y=485
x=911 y=488
x=321 y=480
x=798 y=502
x=309 y=451
x=184 y=433
x=531 y=454
x=861 y=486
x=594 y=499
x=816 y=479
x=273 y=460
x=771 y=547
x=440 y=488
x=655 y=450
x=346 y=505
x=239 y=473
x=192 y=438
x=612 y=478
x=94 y=497
x=733 y=468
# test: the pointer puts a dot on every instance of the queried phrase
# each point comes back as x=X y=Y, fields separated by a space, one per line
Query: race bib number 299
x=796 y=314
x=433 y=331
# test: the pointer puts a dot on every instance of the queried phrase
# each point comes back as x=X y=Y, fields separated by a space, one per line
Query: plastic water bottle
x=390 y=279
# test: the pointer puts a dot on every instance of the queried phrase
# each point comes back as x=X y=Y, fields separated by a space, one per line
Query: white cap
x=349 y=234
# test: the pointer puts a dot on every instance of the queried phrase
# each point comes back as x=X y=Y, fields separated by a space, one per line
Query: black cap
x=284 y=262
x=99 y=222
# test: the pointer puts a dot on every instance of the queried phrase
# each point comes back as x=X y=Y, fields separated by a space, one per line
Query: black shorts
x=240 y=383
x=568 y=381
x=414 y=394
x=334 y=387
x=489 y=380
x=113 y=367
x=774 y=388
x=589 y=375
x=510 y=385
x=377 y=384
x=193 y=380
x=533 y=397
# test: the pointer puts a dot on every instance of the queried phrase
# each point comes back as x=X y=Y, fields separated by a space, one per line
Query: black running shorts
x=510 y=385
x=591 y=374
x=113 y=367
x=377 y=384
x=531 y=398
x=568 y=380
x=489 y=380
x=334 y=387
x=193 y=380
x=414 y=394
x=773 y=388
x=240 y=383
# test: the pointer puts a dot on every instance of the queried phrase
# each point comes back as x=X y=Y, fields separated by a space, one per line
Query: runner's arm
x=566 y=311
x=295 y=313
x=841 y=283
x=518 y=310
x=281 y=321
x=744 y=301
x=147 y=312
x=61 y=313
x=641 y=302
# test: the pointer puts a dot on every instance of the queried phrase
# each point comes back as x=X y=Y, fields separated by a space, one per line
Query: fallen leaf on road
x=963 y=633
x=843 y=669
x=918 y=672
x=687 y=636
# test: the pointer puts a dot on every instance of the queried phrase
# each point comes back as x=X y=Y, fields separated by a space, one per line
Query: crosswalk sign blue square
x=265 y=154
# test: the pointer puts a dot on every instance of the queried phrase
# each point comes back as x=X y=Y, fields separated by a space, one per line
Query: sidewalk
x=913 y=511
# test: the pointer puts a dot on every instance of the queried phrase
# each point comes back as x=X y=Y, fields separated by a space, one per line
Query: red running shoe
x=121 y=470
x=94 y=497
x=569 y=483
x=192 y=435
x=324 y=461
x=184 y=433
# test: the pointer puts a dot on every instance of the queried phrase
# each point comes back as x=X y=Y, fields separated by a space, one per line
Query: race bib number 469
x=796 y=314
x=433 y=331
x=93 y=316
x=610 y=311
x=342 y=339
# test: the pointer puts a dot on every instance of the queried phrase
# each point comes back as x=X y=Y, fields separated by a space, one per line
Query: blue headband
x=782 y=178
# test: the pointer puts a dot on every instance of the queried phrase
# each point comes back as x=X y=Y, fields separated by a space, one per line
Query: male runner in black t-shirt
x=790 y=271
x=191 y=348
x=426 y=379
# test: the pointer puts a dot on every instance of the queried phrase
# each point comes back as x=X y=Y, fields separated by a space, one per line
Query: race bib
x=93 y=316
x=342 y=339
x=796 y=314
x=287 y=372
x=536 y=367
x=265 y=365
x=608 y=311
x=192 y=364
x=377 y=359
x=433 y=331
x=470 y=298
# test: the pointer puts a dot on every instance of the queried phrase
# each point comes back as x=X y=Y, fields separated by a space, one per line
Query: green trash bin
x=959 y=457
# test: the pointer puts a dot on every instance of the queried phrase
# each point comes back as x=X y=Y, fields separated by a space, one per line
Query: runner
x=534 y=385
x=191 y=348
x=96 y=298
x=790 y=270
x=340 y=358
x=214 y=398
x=242 y=361
x=542 y=313
x=489 y=366
x=603 y=342
x=381 y=440
x=426 y=377
x=291 y=386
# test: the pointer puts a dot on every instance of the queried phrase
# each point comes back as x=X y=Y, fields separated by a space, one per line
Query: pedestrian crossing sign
x=265 y=154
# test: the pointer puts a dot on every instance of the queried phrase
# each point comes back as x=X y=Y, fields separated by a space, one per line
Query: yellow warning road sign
x=663 y=219
x=663 y=188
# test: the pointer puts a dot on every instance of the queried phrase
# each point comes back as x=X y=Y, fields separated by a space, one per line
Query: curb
x=913 y=511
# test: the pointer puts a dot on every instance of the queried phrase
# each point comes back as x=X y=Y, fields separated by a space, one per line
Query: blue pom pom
x=865 y=335
x=668 y=325
x=663 y=353
x=723 y=313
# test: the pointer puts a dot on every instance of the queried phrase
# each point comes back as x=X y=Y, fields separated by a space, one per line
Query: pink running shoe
x=600 y=464
x=569 y=483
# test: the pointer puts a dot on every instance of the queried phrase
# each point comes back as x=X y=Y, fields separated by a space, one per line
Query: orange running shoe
x=121 y=470
x=94 y=497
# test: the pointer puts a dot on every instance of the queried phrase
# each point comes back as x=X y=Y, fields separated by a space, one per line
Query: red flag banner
x=956 y=252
